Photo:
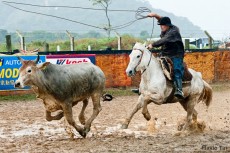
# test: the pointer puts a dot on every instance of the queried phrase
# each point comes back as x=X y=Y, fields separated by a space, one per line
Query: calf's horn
x=37 y=59
x=20 y=59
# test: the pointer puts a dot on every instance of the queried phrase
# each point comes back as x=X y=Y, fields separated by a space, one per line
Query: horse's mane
x=138 y=44
x=141 y=46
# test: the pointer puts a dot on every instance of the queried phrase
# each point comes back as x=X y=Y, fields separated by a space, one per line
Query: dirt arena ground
x=23 y=128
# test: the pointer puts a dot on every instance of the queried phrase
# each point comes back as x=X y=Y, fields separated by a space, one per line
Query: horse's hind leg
x=190 y=111
x=189 y=104
x=138 y=106
x=194 y=115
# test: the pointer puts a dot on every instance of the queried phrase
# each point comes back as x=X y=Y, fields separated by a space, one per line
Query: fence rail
x=104 y=52
x=213 y=65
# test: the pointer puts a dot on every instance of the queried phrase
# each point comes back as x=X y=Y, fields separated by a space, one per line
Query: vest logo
x=1 y=61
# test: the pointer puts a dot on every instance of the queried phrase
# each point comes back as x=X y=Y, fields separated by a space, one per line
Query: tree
x=144 y=34
x=93 y=34
x=104 y=4
x=3 y=33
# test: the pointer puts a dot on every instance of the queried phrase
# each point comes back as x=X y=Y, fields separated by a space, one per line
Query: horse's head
x=137 y=59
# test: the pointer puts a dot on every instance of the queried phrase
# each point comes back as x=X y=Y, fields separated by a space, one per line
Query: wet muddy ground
x=23 y=128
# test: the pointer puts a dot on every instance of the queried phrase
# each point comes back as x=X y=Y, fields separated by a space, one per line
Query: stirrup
x=179 y=94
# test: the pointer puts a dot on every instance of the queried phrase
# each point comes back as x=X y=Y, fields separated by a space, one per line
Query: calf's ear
x=43 y=65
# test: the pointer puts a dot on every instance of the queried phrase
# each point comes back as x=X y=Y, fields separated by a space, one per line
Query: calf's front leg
x=67 y=108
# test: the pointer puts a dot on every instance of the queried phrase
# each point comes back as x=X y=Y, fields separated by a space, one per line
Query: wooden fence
x=214 y=66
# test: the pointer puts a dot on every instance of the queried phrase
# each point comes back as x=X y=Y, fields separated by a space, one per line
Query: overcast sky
x=210 y=15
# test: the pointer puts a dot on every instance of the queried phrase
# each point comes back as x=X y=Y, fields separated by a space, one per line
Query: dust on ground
x=23 y=128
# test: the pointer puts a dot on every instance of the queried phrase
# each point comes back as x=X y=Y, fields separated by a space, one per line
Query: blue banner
x=9 y=70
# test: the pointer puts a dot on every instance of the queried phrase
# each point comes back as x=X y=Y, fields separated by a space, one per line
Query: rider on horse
x=172 y=46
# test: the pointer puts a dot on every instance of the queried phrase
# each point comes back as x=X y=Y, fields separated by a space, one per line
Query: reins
x=141 y=60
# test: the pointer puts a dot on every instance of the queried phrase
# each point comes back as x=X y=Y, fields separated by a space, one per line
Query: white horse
x=155 y=88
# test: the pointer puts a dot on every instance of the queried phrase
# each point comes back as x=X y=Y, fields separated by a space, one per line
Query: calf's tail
x=107 y=97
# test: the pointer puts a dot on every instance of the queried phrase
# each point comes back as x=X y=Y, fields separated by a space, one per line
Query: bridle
x=141 y=60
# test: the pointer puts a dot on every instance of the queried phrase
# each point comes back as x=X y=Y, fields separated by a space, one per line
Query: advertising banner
x=9 y=70
x=9 y=66
x=71 y=59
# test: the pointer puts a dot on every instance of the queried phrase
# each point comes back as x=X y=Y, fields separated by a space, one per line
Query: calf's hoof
x=82 y=133
x=124 y=126
x=82 y=121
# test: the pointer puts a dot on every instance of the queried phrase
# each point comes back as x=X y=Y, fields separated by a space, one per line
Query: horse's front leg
x=137 y=107
x=145 y=110
x=150 y=97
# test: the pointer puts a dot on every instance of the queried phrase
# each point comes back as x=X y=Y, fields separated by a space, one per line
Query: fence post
x=187 y=44
x=118 y=41
x=89 y=48
x=58 y=48
x=46 y=47
x=22 y=40
x=8 y=43
x=71 y=40
x=210 y=39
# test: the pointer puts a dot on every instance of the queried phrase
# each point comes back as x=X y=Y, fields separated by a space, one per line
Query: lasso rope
x=138 y=15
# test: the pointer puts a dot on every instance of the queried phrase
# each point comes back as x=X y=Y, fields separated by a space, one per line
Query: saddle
x=167 y=67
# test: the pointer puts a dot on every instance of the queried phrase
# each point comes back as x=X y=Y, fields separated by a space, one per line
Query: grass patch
x=26 y=97
x=220 y=86
x=119 y=91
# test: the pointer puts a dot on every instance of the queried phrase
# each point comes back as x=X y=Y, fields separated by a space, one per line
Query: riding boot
x=178 y=85
x=136 y=91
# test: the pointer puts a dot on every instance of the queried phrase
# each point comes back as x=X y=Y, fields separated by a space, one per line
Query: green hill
x=12 y=19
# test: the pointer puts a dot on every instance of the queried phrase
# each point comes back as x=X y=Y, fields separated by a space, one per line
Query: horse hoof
x=180 y=127
x=147 y=117
x=124 y=126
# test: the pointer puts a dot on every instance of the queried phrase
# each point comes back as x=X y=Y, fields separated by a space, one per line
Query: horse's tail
x=206 y=95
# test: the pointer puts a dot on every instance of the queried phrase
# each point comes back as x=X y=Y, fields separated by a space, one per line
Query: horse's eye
x=138 y=56
x=29 y=71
